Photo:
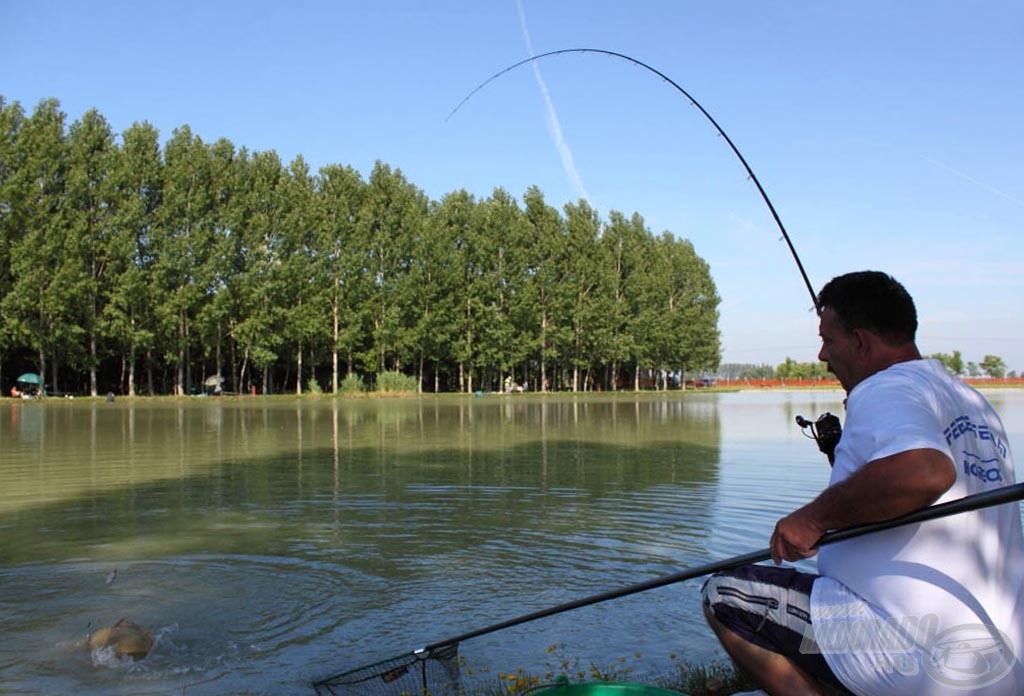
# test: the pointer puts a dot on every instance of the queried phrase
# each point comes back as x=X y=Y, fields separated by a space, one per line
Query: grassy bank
x=712 y=679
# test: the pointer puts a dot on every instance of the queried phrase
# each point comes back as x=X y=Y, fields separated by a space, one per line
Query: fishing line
x=694 y=102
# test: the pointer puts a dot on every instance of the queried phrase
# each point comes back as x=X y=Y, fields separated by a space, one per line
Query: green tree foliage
x=126 y=266
x=256 y=218
x=39 y=302
x=745 y=371
x=993 y=366
x=456 y=221
x=625 y=243
x=337 y=251
x=12 y=119
x=220 y=270
x=434 y=276
x=791 y=369
x=691 y=340
x=88 y=221
x=304 y=282
x=953 y=362
x=127 y=320
x=183 y=251
x=585 y=287
x=390 y=222
x=542 y=301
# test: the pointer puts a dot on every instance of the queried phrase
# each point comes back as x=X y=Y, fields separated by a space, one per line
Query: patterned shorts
x=770 y=607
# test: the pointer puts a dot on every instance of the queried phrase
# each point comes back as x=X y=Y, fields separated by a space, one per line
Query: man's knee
x=764 y=607
x=710 y=591
x=709 y=595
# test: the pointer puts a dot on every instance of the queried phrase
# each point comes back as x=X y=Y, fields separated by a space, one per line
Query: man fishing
x=929 y=609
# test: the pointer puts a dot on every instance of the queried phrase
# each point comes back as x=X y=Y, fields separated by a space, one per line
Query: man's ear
x=863 y=342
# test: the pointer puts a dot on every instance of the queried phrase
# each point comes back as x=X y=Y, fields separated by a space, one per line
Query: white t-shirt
x=912 y=610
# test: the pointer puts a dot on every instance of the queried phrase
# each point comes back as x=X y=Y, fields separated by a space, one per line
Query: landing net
x=433 y=672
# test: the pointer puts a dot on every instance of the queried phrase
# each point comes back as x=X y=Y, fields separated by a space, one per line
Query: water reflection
x=269 y=536
x=47 y=447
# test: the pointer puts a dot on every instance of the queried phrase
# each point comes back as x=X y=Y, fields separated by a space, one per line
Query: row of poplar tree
x=130 y=267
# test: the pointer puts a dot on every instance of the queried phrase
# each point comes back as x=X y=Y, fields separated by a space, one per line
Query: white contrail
x=553 y=125
x=982 y=184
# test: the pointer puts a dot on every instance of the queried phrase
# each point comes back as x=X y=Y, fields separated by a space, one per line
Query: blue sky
x=887 y=134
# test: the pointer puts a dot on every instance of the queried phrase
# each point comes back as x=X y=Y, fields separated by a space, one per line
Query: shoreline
x=723 y=387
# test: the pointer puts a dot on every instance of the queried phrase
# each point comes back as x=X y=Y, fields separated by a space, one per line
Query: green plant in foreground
x=714 y=679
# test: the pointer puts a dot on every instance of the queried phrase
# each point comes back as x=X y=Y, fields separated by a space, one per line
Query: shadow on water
x=266 y=543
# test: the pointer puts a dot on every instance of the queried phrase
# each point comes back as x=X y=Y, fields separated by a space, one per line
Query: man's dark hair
x=874 y=301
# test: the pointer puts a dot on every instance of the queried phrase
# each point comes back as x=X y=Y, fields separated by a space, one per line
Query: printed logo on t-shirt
x=963 y=426
x=985 y=470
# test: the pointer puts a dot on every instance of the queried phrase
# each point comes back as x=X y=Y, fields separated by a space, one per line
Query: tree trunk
x=42 y=371
x=218 y=360
x=334 y=346
x=92 y=363
x=131 y=356
x=179 y=380
x=53 y=377
x=241 y=370
x=543 y=352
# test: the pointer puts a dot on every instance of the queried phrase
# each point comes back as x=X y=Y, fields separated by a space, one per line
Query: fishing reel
x=826 y=431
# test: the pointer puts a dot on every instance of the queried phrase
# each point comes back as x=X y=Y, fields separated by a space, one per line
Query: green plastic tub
x=605 y=689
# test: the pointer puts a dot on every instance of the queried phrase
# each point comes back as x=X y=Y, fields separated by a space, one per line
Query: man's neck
x=889 y=355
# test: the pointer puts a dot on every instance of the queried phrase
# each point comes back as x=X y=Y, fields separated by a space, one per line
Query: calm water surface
x=269 y=542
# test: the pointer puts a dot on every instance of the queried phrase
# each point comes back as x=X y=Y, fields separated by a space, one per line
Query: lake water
x=271 y=542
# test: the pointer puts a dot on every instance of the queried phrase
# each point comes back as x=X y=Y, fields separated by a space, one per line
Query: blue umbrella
x=30 y=378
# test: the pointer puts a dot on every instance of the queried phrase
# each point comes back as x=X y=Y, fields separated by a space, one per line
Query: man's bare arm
x=881 y=490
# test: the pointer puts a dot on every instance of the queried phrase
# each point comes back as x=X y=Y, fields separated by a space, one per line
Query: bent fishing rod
x=426 y=652
x=694 y=102
x=978 y=501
